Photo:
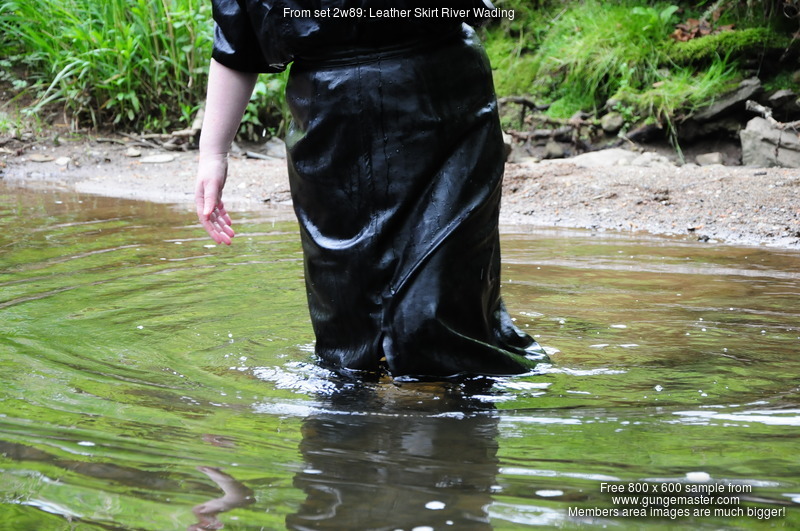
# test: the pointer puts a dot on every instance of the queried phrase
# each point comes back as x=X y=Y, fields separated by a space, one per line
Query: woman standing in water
x=395 y=158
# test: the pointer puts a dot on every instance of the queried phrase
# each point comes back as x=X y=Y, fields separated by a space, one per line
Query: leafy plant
x=593 y=55
x=266 y=114
x=595 y=48
x=654 y=21
x=116 y=62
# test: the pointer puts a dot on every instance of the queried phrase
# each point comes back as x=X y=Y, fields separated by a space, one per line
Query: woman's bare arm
x=227 y=96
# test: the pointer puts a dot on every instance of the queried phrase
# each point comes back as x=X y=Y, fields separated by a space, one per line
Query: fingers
x=218 y=225
x=211 y=211
x=223 y=223
x=224 y=213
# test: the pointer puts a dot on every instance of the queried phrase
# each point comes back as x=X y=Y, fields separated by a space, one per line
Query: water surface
x=149 y=380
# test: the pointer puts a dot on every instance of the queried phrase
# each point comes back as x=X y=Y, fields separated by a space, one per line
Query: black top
x=266 y=35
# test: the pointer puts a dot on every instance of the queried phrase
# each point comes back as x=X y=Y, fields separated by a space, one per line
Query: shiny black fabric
x=395 y=170
x=395 y=167
x=255 y=36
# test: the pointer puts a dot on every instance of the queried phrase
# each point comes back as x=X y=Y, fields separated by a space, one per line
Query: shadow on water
x=149 y=380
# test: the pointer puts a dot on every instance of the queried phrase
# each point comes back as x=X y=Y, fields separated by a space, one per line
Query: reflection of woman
x=395 y=166
x=234 y=495
x=417 y=456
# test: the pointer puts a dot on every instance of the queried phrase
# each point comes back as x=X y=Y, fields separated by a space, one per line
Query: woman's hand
x=211 y=175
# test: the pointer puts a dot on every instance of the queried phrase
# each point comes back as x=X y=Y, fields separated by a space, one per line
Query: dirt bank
x=737 y=205
x=713 y=203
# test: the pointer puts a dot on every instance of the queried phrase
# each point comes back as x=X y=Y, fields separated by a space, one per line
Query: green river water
x=151 y=381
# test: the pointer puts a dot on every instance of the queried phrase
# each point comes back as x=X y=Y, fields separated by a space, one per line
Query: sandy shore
x=714 y=204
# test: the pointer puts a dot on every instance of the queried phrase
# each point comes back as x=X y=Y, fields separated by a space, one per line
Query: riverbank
x=612 y=190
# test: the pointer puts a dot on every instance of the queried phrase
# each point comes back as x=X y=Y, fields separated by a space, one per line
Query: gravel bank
x=715 y=204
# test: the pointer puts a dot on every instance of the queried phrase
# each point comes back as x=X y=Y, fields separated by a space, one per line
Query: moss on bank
x=143 y=65
x=741 y=43
x=582 y=55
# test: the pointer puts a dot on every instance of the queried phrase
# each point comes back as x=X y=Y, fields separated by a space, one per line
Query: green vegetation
x=592 y=56
x=267 y=114
x=743 y=42
x=592 y=53
x=139 y=63
x=143 y=63
x=12 y=124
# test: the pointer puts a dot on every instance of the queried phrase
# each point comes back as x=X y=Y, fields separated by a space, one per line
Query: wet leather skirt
x=395 y=166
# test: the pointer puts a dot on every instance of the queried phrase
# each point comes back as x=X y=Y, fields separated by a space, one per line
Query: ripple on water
x=135 y=362
x=790 y=417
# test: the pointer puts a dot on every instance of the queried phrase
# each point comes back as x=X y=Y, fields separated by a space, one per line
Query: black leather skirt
x=395 y=166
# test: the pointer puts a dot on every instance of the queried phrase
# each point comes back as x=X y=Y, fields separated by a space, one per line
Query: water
x=149 y=381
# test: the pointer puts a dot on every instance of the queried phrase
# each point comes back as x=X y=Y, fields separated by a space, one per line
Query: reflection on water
x=424 y=453
x=235 y=495
x=149 y=380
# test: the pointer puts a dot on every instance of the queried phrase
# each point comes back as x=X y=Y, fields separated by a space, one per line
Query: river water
x=149 y=380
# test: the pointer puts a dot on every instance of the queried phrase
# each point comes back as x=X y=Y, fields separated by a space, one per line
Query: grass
x=142 y=64
x=593 y=49
x=9 y=125
x=585 y=55
x=511 y=43
x=129 y=64
x=138 y=63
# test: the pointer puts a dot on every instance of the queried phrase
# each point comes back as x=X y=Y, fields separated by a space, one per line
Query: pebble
x=41 y=157
x=158 y=159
